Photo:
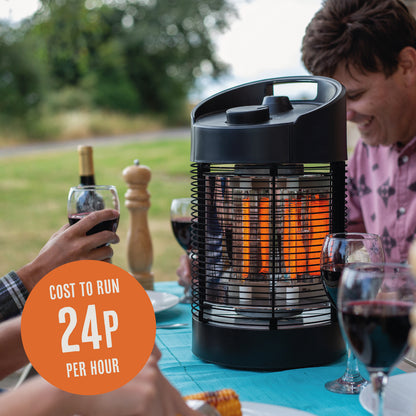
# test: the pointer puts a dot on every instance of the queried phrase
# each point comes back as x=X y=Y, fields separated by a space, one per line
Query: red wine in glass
x=182 y=231
x=181 y=220
x=338 y=250
x=374 y=303
x=377 y=331
x=331 y=275
x=110 y=225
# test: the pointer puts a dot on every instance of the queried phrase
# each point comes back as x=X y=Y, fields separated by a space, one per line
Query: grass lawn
x=34 y=189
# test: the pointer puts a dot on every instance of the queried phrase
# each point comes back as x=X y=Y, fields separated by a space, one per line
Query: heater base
x=267 y=349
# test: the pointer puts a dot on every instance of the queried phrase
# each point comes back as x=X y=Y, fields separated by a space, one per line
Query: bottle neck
x=86 y=166
x=86 y=180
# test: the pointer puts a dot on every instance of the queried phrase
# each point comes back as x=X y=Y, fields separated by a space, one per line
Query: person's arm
x=35 y=397
x=71 y=243
x=12 y=354
x=66 y=245
x=184 y=271
x=13 y=295
x=148 y=394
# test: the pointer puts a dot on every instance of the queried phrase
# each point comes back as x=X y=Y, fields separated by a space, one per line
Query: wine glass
x=374 y=303
x=82 y=200
x=181 y=220
x=338 y=250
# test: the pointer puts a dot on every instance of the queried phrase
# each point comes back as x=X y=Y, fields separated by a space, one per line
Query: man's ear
x=407 y=65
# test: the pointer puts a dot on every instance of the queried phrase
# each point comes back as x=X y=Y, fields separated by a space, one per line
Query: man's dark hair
x=365 y=34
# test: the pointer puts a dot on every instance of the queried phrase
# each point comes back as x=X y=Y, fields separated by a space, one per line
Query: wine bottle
x=86 y=165
x=89 y=200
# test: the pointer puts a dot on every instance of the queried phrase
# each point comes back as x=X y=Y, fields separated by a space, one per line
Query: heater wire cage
x=257 y=233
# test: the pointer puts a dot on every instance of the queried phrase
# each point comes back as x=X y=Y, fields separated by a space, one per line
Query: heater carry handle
x=254 y=92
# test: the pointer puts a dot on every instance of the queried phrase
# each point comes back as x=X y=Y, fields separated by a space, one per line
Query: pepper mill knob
x=139 y=243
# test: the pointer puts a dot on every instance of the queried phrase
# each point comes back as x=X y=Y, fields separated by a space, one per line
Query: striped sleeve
x=13 y=295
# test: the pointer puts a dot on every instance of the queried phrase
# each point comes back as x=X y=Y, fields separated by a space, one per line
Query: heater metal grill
x=256 y=236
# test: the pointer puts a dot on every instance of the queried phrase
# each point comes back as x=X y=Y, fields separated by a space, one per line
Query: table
x=301 y=388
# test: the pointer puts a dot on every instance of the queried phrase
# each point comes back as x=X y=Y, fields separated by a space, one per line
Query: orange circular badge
x=88 y=327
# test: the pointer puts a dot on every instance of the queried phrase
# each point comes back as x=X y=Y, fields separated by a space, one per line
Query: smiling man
x=370 y=47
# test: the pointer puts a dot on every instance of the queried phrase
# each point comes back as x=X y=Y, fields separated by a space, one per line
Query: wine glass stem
x=379 y=381
x=352 y=372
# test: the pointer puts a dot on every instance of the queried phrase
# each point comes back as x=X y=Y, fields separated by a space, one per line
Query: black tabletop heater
x=268 y=183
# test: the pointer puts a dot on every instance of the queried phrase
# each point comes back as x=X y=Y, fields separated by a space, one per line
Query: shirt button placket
x=401 y=199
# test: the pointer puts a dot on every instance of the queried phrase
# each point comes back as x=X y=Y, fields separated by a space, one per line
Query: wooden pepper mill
x=139 y=243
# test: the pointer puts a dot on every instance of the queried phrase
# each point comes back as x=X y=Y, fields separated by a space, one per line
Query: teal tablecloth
x=302 y=388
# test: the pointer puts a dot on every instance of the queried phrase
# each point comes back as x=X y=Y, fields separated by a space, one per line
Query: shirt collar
x=404 y=148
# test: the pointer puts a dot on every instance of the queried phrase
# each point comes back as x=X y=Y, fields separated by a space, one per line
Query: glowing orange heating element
x=264 y=221
x=294 y=253
x=250 y=244
x=246 y=237
x=299 y=216
x=318 y=209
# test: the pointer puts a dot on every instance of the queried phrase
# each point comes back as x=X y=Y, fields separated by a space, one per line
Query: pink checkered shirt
x=381 y=195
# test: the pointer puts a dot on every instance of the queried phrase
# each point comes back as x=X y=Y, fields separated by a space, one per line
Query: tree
x=142 y=55
x=167 y=45
x=21 y=79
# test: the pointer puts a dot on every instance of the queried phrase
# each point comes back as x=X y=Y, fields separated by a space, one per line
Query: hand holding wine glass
x=339 y=250
x=374 y=304
x=181 y=220
x=82 y=200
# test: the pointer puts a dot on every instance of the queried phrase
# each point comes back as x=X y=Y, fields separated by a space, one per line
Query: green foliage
x=110 y=84
x=167 y=45
x=64 y=28
x=21 y=78
x=40 y=128
x=134 y=56
x=67 y=98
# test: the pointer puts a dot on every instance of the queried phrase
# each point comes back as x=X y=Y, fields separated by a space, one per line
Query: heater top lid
x=252 y=123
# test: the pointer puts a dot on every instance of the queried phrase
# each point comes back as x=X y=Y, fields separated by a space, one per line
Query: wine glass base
x=187 y=297
x=343 y=386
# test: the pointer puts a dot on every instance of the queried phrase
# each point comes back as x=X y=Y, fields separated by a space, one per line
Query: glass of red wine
x=82 y=200
x=181 y=220
x=374 y=303
x=339 y=250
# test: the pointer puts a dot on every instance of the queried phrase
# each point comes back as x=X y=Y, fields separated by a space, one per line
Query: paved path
x=96 y=141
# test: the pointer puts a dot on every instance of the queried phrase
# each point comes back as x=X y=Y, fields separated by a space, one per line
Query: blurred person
x=70 y=243
x=369 y=46
x=184 y=271
x=147 y=394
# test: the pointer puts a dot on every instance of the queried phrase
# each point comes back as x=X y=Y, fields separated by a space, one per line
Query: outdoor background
x=123 y=76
